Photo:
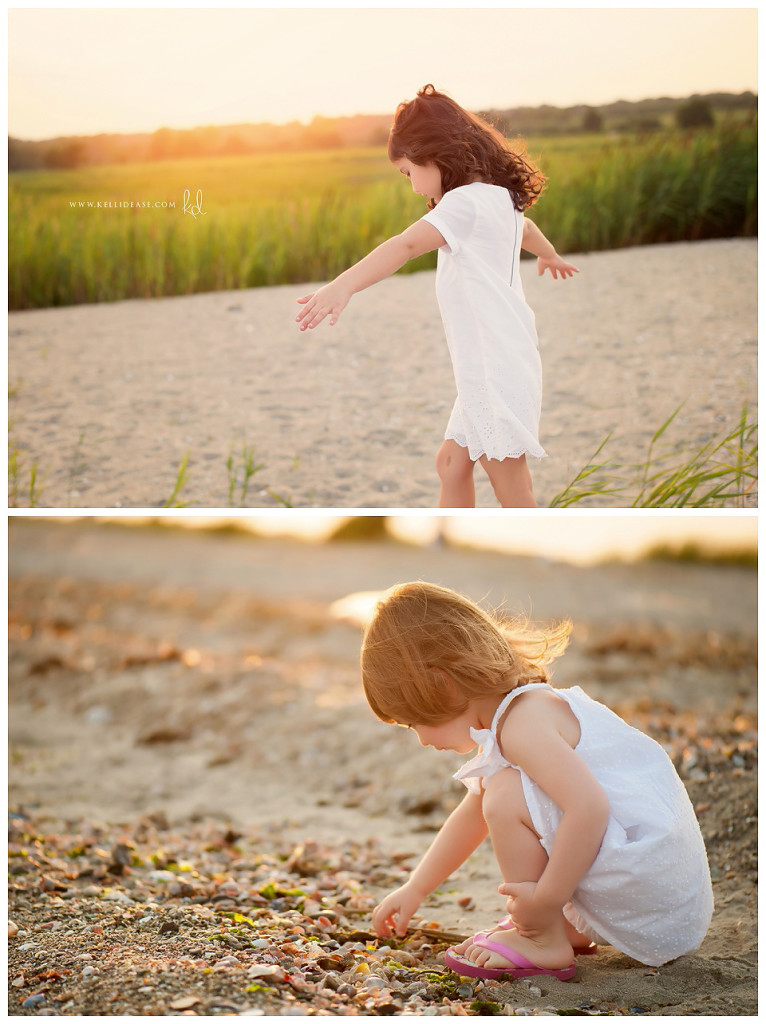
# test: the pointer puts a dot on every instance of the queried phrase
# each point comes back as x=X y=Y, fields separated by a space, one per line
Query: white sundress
x=490 y=329
x=648 y=892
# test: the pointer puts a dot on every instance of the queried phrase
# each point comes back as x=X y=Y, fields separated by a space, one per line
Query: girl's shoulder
x=534 y=713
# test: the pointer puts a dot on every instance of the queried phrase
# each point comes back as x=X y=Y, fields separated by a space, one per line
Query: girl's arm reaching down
x=532 y=739
x=534 y=241
x=458 y=837
x=418 y=239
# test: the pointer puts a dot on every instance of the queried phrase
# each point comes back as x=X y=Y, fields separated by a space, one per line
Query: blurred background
x=188 y=668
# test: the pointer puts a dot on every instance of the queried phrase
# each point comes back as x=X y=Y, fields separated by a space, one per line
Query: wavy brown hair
x=428 y=652
x=433 y=128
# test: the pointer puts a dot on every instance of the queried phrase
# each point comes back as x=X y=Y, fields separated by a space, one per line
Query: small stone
x=36 y=1000
x=535 y=991
x=184 y=1003
x=117 y=897
x=228 y=961
x=373 y=984
x=13 y=929
x=271 y=971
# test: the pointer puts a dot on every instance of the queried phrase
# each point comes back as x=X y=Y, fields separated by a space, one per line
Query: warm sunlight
x=73 y=71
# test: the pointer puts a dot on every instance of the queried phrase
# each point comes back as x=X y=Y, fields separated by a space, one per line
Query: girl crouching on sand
x=594 y=834
x=477 y=190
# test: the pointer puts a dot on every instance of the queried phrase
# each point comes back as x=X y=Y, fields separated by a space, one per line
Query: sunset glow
x=86 y=71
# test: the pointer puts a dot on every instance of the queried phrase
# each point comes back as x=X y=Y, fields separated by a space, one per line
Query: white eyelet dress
x=648 y=892
x=490 y=329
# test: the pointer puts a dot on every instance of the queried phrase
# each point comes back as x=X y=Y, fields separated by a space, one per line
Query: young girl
x=594 y=834
x=477 y=190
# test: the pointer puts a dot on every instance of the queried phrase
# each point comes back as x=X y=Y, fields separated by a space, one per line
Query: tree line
x=641 y=116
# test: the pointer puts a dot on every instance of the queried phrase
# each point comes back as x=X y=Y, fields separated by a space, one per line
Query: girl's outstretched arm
x=418 y=239
x=458 y=837
x=534 y=241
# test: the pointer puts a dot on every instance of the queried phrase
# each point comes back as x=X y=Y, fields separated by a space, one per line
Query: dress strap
x=505 y=702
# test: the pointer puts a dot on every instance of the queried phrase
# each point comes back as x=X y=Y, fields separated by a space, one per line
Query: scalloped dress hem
x=516 y=453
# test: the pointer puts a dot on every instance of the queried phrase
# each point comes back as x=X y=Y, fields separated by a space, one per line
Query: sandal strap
x=504 y=951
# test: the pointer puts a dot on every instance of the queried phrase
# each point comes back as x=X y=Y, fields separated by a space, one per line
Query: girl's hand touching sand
x=330 y=301
x=395 y=911
x=556 y=266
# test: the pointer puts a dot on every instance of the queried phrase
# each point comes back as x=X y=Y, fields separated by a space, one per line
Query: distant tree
x=360 y=528
x=65 y=155
x=234 y=145
x=592 y=121
x=695 y=113
x=646 y=125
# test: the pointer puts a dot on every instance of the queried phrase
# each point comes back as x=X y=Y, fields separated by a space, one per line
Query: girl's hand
x=529 y=917
x=330 y=301
x=556 y=266
x=395 y=911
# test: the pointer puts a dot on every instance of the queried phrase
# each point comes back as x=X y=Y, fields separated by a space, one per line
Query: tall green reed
x=721 y=473
x=291 y=218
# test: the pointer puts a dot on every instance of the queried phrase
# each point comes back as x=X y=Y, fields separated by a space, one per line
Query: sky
x=584 y=539
x=83 y=71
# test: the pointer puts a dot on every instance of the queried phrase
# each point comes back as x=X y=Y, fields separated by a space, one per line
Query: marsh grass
x=299 y=217
x=240 y=469
x=722 y=473
x=182 y=478
x=24 y=488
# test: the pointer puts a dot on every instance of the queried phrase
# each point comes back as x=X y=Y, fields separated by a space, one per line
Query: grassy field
x=288 y=218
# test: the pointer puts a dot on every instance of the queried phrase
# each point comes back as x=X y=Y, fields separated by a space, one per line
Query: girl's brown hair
x=432 y=128
x=428 y=652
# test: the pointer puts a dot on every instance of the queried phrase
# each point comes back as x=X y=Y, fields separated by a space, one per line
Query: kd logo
x=193 y=208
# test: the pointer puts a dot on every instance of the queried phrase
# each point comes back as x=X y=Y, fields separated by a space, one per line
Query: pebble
x=118 y=897
x=33 y=1001
x=228 y=961
x=13 y=929
x=271 y=971
x=373 y=984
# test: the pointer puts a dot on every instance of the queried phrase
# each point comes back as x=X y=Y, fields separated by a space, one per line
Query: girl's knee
x=453 y=462
x=503 y=798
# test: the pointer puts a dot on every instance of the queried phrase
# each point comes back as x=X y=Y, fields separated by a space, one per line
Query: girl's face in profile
x=453 y=735
x=426 y=178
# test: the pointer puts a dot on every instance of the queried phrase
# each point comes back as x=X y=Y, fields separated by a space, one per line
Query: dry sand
x=108 y=398
x=206 y=677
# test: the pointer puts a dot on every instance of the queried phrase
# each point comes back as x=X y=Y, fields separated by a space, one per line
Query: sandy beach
x=108 y=399
x=198 y=695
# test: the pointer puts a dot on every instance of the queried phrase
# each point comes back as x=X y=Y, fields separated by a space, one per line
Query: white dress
x=648 y=892
x=490 y=328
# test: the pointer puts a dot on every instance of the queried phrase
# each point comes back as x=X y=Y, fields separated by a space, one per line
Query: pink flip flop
x=519 y=966
x=507 y=925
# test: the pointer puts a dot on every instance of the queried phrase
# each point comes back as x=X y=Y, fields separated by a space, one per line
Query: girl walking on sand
x=477 y=190
x=594 y=834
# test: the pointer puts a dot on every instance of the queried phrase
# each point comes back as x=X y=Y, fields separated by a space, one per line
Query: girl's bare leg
x=455 y=469
x=511 y=481
x=521 y=858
